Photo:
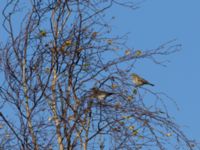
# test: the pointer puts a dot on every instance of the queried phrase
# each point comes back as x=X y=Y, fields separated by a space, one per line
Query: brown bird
x=100 y=95
x=139 y=81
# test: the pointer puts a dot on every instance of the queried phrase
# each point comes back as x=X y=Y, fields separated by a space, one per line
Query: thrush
x=99 y=94
x=139 y=81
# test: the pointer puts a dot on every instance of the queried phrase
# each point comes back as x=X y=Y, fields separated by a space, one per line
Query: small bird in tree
x=100 y=95
x=139 y=81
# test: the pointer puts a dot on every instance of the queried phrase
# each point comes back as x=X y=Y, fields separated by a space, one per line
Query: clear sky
x=155 y=22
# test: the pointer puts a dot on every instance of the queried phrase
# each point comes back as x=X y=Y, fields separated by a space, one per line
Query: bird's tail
x=151 y=84
x=110 y=94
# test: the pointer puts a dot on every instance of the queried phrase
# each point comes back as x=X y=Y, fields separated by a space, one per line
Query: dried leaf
x=114 y=86
x=130 y=98
x=127 y=52
x=110 y=42
x=168 y=134
x=94 y=34
x=135 y=132
x=68 y=42
x=43 y=33
x=131 y=127
x=138 y=53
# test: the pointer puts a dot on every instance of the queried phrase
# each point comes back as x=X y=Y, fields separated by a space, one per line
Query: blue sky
x=154 y=23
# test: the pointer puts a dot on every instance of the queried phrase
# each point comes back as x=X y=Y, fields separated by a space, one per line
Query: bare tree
x=67 y=81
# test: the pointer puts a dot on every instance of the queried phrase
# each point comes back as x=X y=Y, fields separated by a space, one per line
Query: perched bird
x=100 y=95
x=139 y=81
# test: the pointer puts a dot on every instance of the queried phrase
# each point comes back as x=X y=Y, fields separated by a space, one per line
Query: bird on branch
x=99 y=94
x=139 y=81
